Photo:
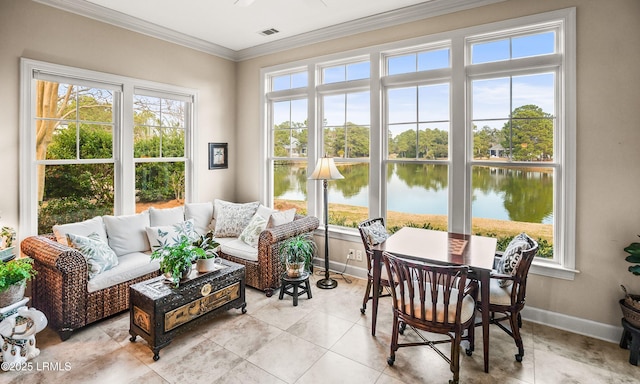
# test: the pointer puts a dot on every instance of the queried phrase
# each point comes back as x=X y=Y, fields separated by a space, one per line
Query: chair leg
x=367 y=295
x=394 y=341
x=519 y=320
x=513 y=319
x=455 y=358
x=472 y=338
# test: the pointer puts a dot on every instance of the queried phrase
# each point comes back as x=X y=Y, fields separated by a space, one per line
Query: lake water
x=498 y=193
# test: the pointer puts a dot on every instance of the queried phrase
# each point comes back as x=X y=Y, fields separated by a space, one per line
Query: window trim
x=458 y=74
x=124 y=166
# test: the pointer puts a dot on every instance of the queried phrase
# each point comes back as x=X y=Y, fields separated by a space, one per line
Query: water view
x=498 y=193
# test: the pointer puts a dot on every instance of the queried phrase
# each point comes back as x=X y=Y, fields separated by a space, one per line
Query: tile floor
x=324 y=339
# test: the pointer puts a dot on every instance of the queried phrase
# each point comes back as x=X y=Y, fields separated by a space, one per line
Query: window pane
x=290 y=185
x=333 y=74
x=282 y=114
x=433 y=60
x=531 y=138
x=535 y=89
x=358 y=106
x=299 y=140
x=349 y=197
x=358 y=71
x=533 y=45
x=146 y=110
x=299 y=113
x=357 y=141
x=281 y=142
x=490 y=52
x=491 y=98
x=299 y=80
x=146 y=142
x=417 y=195
x=172 y=113
x=96 y=141
x=95 y=105
x=172 y=142
x=433 y=141
x=334 y=110
x=402 y=104
x=73 y=193
x=63 y=142
x=281 y=82
x=507 y=201
x=433 y=103
x=160 y=185
x=401 y=64
x=403 y=140
x=335 y=141
x=490 y=140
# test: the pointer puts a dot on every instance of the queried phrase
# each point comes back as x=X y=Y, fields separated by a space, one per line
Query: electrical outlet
x=358 y=255
x=351 y=255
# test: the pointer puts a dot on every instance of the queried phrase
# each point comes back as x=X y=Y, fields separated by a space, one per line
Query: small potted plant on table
x=207 y=261
x=297 y=253
x=13 y=279
x=177 y=260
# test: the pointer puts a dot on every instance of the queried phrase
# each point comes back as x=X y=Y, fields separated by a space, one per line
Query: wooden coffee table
x=158 y=311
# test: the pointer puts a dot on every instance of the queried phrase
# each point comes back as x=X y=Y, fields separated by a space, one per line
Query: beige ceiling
x=231 y=28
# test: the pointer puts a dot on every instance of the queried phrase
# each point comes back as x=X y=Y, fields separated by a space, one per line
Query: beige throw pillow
x=281 y=217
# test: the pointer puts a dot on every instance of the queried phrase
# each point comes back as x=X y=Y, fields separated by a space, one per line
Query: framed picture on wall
x=218 y=155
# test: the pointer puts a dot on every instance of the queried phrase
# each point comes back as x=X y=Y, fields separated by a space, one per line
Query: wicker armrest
x=51 y=254
x=302 y=224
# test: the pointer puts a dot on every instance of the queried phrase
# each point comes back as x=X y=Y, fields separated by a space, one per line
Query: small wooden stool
x=632 y=334
x=298 y=285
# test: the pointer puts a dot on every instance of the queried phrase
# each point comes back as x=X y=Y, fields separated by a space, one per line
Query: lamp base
x=327 y=283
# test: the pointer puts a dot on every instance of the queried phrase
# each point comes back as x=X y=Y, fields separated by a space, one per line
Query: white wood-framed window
x=79 y=132
x=471 y=130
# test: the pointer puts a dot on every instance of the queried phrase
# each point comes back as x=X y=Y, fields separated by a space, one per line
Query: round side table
x=295 y=286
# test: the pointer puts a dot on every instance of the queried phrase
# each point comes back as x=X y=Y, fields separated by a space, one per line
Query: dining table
x=441 y=248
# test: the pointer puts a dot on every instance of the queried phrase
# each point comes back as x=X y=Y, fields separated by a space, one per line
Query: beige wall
x=38 y=32
x=608 y=135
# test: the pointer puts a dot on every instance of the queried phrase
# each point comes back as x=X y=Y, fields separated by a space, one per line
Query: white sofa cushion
x=201 y=213
x=128 y=233
x=238 y=248
x=162 y=236
x=232 y=218
x=165 y=216
x=83 y=228
x=281 y=217
x=130 y=266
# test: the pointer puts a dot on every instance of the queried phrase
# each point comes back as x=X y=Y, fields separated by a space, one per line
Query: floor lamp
x=326 y=170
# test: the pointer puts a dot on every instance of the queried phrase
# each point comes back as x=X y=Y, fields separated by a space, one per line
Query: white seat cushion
x=129 y=267
x=239 y=248
x=498 y=295
x=468 y=306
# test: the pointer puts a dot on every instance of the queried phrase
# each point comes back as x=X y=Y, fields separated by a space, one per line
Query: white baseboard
x=573 y=324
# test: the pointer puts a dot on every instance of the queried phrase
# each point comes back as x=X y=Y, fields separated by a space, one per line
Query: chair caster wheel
x=362 y=310
x=469 y=352
x=390 y=361
x=402 y=327
x=519 y=358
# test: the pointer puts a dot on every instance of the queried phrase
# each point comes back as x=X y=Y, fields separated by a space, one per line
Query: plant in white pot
x=14 y=275
x=207 y=261
x=297 y=254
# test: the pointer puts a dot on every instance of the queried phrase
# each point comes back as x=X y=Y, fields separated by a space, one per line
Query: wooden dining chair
x=431 y=298
x=508 y=289
x=369 y=241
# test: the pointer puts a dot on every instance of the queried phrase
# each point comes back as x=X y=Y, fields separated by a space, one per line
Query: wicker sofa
x=63 y=291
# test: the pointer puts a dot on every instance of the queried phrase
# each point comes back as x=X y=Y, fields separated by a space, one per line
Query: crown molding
x=109 y=16
x=387 y=19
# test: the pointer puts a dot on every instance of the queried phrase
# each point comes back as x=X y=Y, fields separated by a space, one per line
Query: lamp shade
x=326 y=170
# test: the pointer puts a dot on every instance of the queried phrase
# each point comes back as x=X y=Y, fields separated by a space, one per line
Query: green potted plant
x=630 y=305
x=297 y=254
x=13 y=279
x=177 y=260
x=206 y=262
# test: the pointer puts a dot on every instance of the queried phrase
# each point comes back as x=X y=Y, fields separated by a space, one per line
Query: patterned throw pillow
x=99 y=256
x=511 y=256
x=160 y=237
x=251 y=233
x=376 y=233
x=232 y=218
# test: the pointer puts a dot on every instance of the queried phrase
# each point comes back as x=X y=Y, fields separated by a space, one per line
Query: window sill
x=539 y=267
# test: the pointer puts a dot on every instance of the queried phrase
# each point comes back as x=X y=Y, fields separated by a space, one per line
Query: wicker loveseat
x=70 y=300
